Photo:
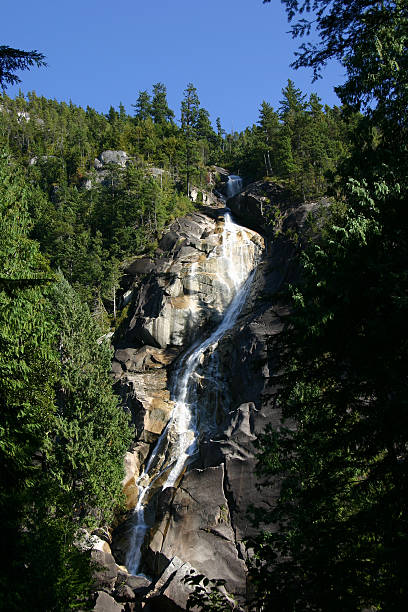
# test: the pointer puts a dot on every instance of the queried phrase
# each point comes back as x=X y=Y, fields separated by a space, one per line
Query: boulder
x=145 y=358
x=141 y=265
x=106 y=570
x=171 y=592
x=123 y=593
x=113 y=157
x=105 y=603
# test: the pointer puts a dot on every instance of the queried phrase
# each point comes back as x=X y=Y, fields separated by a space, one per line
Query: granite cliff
x=199 y=521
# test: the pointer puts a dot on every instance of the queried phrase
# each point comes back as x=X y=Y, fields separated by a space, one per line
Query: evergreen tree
x=189 y=114
x=143 y=106
x=62 y=434
x=292 y=104
x=16 y=59
x=342 y=528
x=269 y=125
x=92 y=431
x=160 y=111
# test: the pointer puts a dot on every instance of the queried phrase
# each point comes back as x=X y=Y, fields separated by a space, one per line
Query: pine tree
x=189 y=113
x=143 y=106
x=342 y=456
x=16 y=59
x=160 y=111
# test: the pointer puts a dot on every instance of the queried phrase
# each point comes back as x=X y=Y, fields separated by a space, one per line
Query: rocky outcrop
x=185 y=292
x=202 y=524
x=177 y=295
x=119 y=158
x=269 y=208
x=194 y=524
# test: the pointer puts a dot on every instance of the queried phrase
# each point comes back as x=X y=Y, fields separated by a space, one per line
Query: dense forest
x=69 y=221
x=342 y=522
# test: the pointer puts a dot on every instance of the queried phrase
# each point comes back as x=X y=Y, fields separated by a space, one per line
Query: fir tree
x=342 y=456
x=143 y=106
x=189 y=114
x=16 y=59
x=160 y=111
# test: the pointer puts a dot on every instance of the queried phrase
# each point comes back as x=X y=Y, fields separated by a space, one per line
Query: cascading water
x=233 y=185
x=179 y=440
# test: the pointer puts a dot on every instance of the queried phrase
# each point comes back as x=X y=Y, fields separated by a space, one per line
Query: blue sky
x=236 y=52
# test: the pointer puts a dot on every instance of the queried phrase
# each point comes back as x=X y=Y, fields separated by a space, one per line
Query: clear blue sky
x=236 y=52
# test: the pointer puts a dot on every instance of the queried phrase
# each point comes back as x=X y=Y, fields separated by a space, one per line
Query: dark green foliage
x=160 y=111
x=62 y=434
x=143 y=106
x=29 y=371
x=189 y=115
x=341 y=453
x=208 y=594
x=16 y=59
x=301 y=146
x=87 y=233
x=28 y=362
x=92 y=431
x=340 y=510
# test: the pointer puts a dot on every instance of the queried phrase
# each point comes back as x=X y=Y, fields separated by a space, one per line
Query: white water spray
x=233 y=186
x=179 y=440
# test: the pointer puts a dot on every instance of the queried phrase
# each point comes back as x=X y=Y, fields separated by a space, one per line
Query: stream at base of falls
x=179 y=440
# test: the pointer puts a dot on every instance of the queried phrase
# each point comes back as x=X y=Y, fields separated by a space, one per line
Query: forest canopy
x=342 y=529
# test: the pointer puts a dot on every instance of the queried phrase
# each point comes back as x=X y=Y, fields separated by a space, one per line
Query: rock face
x=177 y=295
x=119 y=158
x=201 y=523
x=269 y=208
x=195 y=525
x=186 y=291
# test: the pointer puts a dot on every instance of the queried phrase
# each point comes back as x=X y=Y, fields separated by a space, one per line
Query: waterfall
x=233 y=185
x=179 y=440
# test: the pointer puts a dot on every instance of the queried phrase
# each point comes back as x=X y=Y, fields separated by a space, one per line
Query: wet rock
x=203 y=522
x=184 y=291
x=134 y=461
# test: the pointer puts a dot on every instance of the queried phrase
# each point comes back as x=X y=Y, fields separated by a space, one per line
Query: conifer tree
x=159 y=108
x=28 y=372
x=143 y=106
x=93 y=432
x=342 y=454
x=269 y=124
x=189 y=113
x=16 y=59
